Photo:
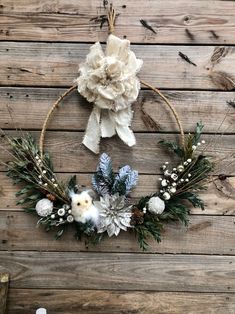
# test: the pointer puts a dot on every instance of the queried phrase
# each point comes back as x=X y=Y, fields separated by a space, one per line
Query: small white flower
x=198 y=144
x=189 y=175
x=66 y=207
x=40 y=182
x=163 y=167
x=53 y=180
x=160 y=179
x=61 y=219
x=44 y=207
x=172 y=190
x=187 y=180
x=156 y=205
x=174 y=169
x=45 y=184
x=182 y=180
x=44 y=171
x=52 y=216
x=69 y=211
x=70 y=218
x=55 y=185
x=166 y=196
x=194 y=147
x=39 y=176
x=164 y=182
x=180 y=168
x=173 y=184
x=203 y=141
x=37 y=157
x=174 y=176
x=185 y=163
x=167 y=163
x=144 y=210
x=167 y=173
x=161 y=191
x=61 y=212
x=189 y=160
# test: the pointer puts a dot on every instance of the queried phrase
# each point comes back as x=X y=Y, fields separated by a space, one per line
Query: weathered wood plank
x=219 y=198
x=4 y=281
x=18 y=232
x=56 y=64
x=199 y=22
x=147 y=156
x=27 y=107
x=23 y=301
x=119 y=271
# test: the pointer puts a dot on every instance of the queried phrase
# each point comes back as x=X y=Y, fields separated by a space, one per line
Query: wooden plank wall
x=192 y=270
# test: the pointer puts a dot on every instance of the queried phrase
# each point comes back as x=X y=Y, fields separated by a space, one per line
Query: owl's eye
x=78 y=204
x=86 y=201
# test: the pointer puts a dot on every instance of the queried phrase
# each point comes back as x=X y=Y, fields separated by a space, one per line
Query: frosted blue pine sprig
x=104 y=181
x=125 y=180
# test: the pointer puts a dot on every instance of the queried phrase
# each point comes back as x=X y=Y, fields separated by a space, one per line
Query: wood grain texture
x=4 y=281
x=23 y=301
x=147 y=156
x=51 y=20
x=56 y=64
x=18 y=232
x=27 y=107
x=219 y=198
x=114 y=271
x=42 y=44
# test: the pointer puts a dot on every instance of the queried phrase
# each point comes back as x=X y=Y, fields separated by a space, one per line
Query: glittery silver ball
x=44 y=207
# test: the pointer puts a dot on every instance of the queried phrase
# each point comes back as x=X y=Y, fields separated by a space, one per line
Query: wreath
x=108 y=80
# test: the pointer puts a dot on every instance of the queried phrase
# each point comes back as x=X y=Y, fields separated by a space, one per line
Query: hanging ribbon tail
x=122 y=120
x=126 y=135
x=107 y=124
x=93 y=133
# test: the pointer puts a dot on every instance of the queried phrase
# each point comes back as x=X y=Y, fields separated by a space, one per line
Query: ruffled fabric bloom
x=108 y=80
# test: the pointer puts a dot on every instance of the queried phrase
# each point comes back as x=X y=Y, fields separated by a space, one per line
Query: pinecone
x=137 y=216
x=51 y=197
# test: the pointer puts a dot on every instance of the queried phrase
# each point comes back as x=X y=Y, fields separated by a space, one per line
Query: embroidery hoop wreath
x=53 y=200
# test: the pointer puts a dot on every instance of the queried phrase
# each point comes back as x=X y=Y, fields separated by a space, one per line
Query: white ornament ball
x=44 y=207
x=156 y=205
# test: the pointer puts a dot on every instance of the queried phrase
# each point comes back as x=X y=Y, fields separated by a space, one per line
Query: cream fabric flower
x=109 y=81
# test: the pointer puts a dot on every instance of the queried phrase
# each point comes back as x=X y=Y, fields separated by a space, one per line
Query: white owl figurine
x=83 y=210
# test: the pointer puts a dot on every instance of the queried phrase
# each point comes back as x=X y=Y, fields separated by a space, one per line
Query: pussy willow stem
x=157 y=91
x=111 y=18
